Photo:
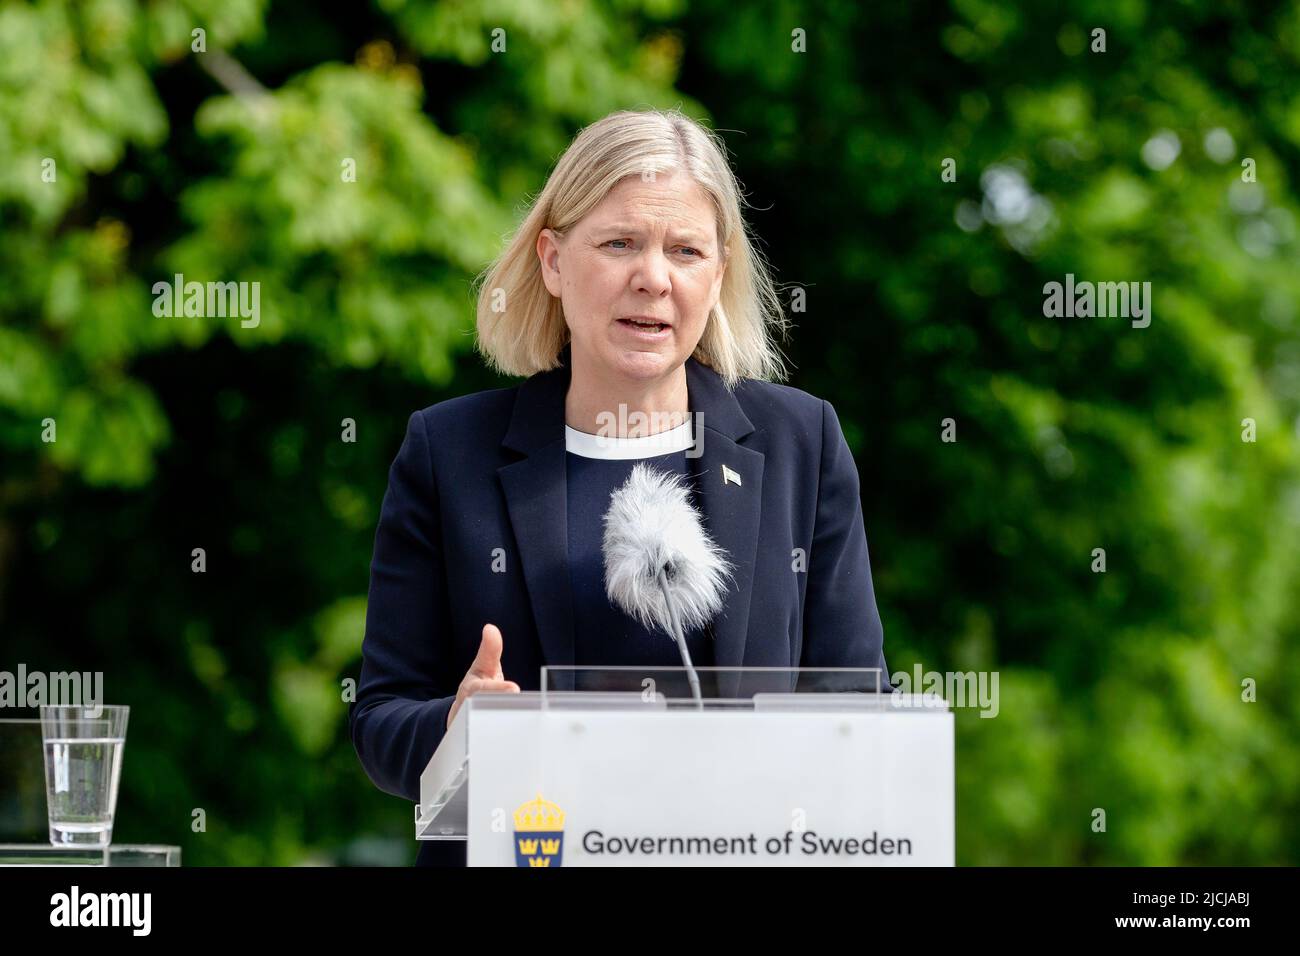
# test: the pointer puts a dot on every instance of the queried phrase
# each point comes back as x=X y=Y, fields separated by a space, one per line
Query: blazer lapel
x=537 y=501
x=731 y=503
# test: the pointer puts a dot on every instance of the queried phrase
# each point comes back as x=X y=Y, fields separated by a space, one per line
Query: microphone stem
x=691 y=676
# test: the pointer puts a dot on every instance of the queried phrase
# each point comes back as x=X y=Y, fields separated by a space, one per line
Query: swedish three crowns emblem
x=539 y=833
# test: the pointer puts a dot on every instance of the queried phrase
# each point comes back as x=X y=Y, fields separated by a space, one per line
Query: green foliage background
x=1120 y=691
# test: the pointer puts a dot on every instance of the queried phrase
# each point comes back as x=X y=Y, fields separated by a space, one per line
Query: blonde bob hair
x=521 y=327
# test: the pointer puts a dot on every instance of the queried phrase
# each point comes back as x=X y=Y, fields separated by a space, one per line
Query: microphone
x=661 y=566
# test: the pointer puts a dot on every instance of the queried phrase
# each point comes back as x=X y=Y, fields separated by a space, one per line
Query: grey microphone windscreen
x=651 y=525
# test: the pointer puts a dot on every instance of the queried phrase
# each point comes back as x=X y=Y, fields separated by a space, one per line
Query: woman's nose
x=652 y=272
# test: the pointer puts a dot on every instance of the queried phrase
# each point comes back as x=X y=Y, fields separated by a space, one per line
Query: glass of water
x=83 y=761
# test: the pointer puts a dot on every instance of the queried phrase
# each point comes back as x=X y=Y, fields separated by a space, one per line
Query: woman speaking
x=643 y=321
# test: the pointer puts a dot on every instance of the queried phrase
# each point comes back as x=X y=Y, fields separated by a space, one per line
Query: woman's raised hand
x=485 y=674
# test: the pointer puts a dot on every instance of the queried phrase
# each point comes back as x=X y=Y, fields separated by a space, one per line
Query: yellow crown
x=529 y=847
x=539 y=814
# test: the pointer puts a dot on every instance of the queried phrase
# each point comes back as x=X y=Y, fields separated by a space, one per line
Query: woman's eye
x=692 y=249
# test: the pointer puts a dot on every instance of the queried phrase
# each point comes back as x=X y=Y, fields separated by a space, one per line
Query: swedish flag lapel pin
x=729 y=476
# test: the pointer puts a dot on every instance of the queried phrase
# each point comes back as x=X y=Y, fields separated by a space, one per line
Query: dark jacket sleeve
x=841 y=626
x=400 y=714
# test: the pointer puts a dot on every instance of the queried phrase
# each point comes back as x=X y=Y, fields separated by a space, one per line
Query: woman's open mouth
x=645 y=329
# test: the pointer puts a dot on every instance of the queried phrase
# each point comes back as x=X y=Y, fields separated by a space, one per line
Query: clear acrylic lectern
x=634 y=766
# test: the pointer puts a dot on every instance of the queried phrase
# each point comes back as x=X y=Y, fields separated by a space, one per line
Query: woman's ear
x=548 y=255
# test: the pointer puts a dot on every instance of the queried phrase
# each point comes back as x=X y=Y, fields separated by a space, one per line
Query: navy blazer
x=486 y=471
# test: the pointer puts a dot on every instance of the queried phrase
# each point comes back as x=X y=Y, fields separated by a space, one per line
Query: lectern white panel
x=615 y=780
